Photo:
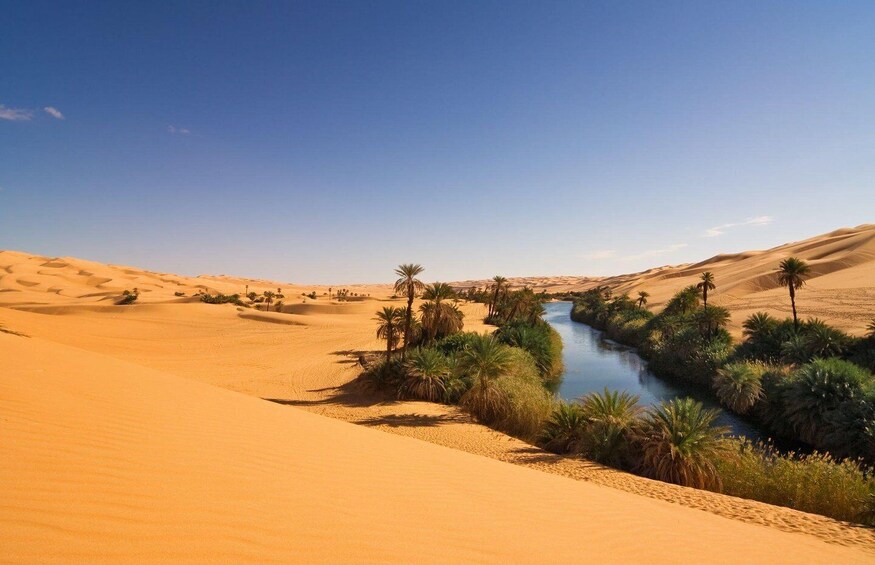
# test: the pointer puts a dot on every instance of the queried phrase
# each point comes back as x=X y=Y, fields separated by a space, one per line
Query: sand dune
x=840 y=291
x=124 y=436
x=105 y=461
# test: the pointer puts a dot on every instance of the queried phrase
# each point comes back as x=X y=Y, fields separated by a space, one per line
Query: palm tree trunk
x=705 y=297
x=408 y=321
x=389 y=348
x=793 y=305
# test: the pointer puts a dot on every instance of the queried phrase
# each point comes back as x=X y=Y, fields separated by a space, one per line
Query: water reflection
x=593 y=363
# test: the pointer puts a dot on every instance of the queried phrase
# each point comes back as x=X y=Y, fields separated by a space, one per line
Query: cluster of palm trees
x=439 y=314
x=505 y=306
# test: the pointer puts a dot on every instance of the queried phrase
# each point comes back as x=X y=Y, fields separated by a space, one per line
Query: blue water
x=593 y=363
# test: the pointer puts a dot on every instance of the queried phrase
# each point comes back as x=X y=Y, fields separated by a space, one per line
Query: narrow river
x=593 y=363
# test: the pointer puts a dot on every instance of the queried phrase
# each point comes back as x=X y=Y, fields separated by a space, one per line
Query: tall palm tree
x=499 y=283
x=792 y=273
x=390 y=320
x=642 y=298
x=268 y=298
x=408 y=285
x=706 y=285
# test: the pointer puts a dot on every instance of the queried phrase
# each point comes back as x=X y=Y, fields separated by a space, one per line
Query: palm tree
x=268 y=298
x=706 y=285
x=758 y=326
x=792 y=273
x=440 y=318
x=739 y=385
x=680 y=444
x=499 y=284
x=711 y=319
x=610 y=418
x=871 y=329
x=390 y=320
x=642 y=298
x=425 y=373
x=564 y=430
x=483 y=361
x=407 y=284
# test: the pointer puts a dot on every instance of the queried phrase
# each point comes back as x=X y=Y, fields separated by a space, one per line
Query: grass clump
x=128 y=297
x=739 y=385
x=813 y=482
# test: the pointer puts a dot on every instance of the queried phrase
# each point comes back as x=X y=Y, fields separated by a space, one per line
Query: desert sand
x=172 y=430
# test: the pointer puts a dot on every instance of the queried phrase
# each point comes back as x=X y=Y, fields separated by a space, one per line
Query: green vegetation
x=389 y=328
x=128 y=297
x=222 y=299
x=800 y=380
x=809 y=482
x=680 y=444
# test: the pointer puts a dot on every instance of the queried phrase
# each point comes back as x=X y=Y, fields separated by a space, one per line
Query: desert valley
x=171 y=428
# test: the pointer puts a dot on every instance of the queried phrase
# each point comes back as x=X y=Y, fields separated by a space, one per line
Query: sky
x=327 y=142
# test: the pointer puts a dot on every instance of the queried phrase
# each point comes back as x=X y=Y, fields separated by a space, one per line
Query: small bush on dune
x=739 y=385
x=128 y=297
x=679 y=444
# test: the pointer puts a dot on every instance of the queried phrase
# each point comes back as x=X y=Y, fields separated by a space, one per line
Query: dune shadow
x=351 y=395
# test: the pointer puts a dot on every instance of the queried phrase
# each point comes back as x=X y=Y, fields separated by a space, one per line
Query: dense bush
x=540 y=340
x=222 y=299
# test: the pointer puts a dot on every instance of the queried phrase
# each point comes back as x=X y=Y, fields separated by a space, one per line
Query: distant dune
x=143 y=433
x=840 y=291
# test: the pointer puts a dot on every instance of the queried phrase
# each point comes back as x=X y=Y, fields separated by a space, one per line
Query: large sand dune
x=106 y=461
x=124 y=436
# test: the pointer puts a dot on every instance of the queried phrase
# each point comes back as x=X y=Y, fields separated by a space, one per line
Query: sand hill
x=841 y=290
x=142 y=433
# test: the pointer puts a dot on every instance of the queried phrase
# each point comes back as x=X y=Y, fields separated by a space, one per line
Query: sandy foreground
x=141 y=433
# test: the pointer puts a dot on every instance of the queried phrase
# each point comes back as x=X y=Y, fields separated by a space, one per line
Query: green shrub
x=818 y=389
x=539 y=340
x=564 y=430
x=739 y=385
x=425 y=375
x=610 y=418
x=679 y=444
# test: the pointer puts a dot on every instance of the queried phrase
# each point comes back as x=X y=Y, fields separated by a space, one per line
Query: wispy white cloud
x=53 y=112
x=174 y=130
x=601 y=254
x=15 y=114
x=721 y=229
x=654 y=252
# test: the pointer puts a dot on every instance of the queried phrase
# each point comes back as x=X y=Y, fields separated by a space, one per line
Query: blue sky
x=330 y=141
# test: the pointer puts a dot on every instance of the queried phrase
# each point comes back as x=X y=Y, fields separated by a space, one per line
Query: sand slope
x=105 y=461
x=840 y=291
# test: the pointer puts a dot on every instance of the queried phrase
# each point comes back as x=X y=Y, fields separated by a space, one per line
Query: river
x=593 y=363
